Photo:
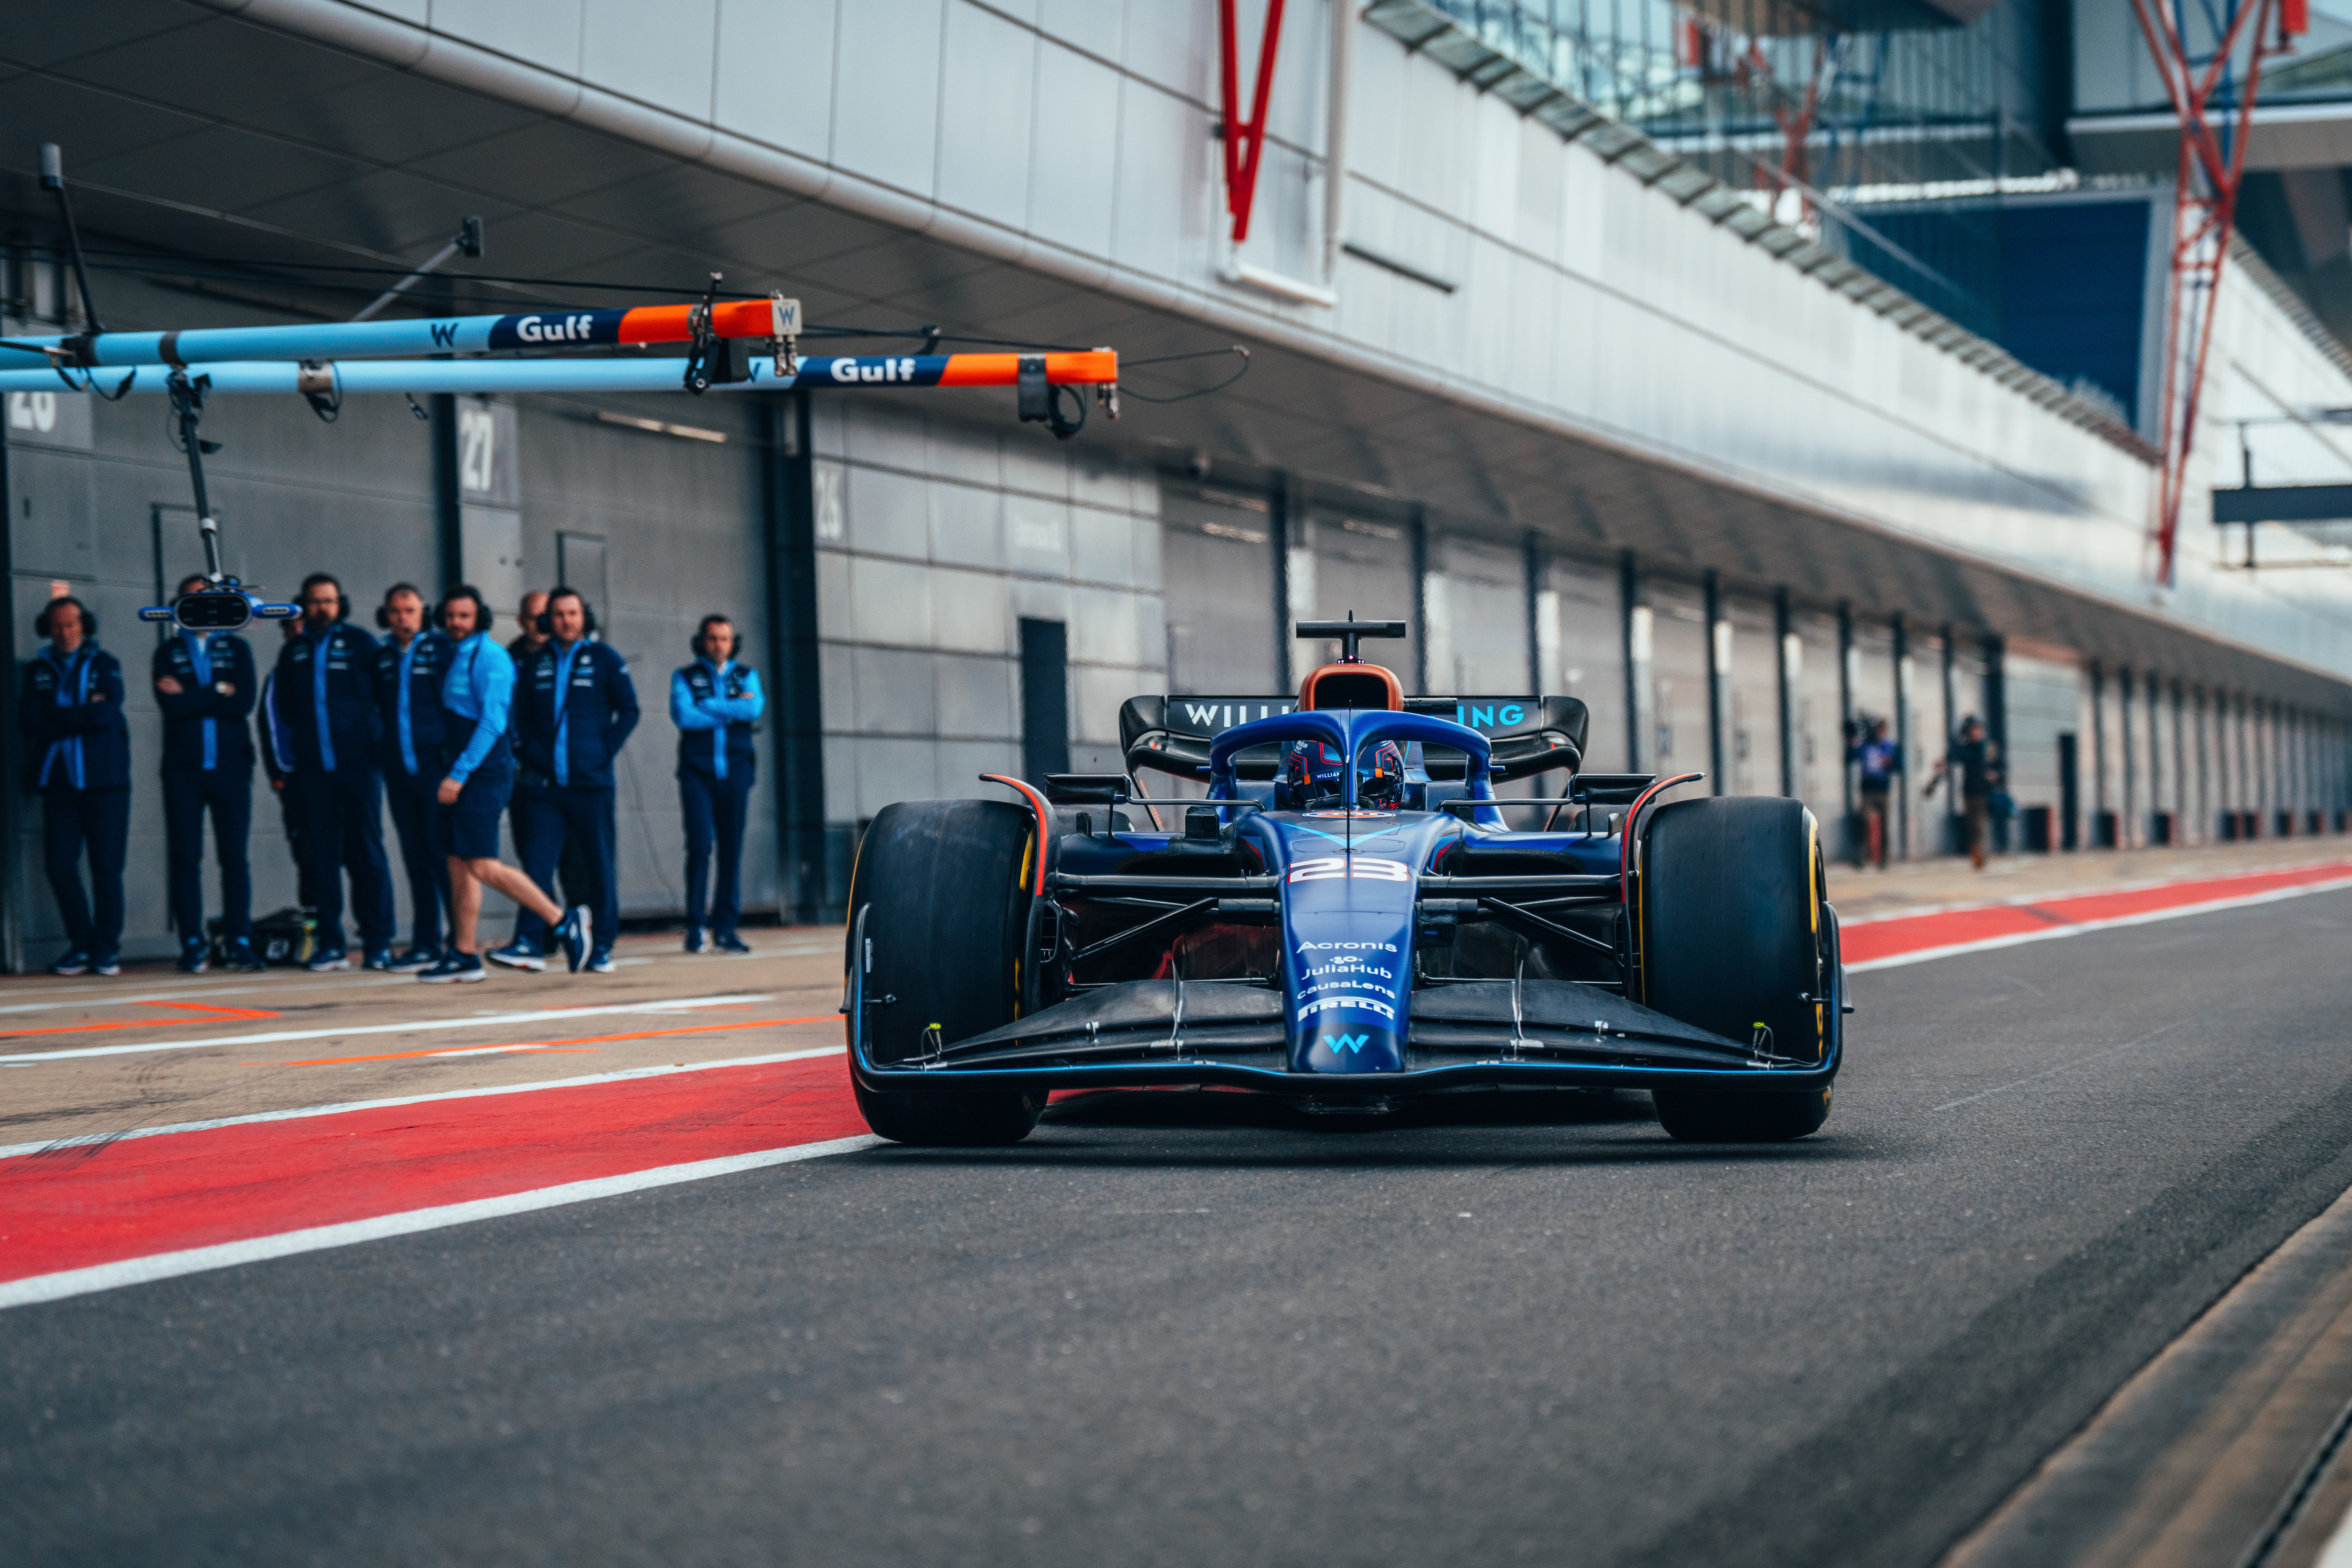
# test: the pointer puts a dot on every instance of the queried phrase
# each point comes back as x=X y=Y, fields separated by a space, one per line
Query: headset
x=482 y=616
x=384 y=611
x=342 y=600
x=703 y=630
x=546 y=620
x=88 y=621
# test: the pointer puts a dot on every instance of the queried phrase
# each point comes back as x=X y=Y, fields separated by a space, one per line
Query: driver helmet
x=1313 y=772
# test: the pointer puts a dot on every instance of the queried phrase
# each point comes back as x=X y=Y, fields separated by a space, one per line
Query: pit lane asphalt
x=1165 y=1331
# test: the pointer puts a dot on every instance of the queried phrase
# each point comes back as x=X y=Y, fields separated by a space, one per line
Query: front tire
x=1736 y=939
x=940 y=885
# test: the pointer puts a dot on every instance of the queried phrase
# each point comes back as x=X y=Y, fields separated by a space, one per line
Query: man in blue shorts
x=476 y=700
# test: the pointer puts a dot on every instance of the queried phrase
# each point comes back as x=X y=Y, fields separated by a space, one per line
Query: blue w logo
x=1334 y=1043
x=444 y=333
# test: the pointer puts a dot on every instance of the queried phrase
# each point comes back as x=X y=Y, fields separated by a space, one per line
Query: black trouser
x=553 y=814
x=575 y=881
x=100 y=819
x=414 y=798
x=227 y=793
x=714 y=811
x=342 y=829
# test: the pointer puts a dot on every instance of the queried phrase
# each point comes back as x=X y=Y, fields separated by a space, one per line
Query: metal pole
x=1713 y=587
x=2124 y=834
x=1417 y=529
x=1335 y=138
x=1902 y=823
x=1278 y=518
x=1784 y=634
x=1845 y=709
x=792 y=655
x=1532 y=565
x=12 y=921
x=1629 y=600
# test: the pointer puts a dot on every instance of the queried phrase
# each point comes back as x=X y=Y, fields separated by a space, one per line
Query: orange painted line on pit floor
x=212 y=1008
x=551 y=1045
x=70 y=1029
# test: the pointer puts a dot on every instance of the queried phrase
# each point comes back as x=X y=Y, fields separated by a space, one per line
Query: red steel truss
x=2216 y=115
x=1244 y=138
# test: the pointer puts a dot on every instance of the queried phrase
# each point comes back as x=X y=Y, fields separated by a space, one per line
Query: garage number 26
x=1332 y=868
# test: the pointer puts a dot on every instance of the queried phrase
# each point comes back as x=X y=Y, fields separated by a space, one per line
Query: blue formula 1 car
x=1347 y=919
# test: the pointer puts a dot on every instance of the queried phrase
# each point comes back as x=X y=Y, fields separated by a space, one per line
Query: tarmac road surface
x=1174 y=1328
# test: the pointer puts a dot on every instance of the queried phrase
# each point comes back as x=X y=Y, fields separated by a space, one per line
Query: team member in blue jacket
x=78 y=754
x=326 y=697
x=476 y=700
x=204 y=684
x=714 y=702
x=410 y=667
x=576 y=708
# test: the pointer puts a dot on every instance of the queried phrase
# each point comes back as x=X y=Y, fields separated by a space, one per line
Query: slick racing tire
x=1734 y=940
x=946 y=913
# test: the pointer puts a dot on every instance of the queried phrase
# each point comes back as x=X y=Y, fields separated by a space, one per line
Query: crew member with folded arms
x=326 y=697
x=204 y=684
x=410 y=666
x=577 y=708
x=78 y=754
x=477 y=703
x=714 y=702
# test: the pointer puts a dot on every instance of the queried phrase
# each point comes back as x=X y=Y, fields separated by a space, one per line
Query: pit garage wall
x=935 y=539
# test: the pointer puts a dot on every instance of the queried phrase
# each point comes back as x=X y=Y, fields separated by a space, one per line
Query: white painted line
x=2083 y=928
x=413 y=1026
x=109 y=995
x=2337 y=1552
x=83 y=1140
x=229 y=1255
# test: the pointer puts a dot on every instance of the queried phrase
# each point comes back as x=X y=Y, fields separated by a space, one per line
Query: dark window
x=1045 y=697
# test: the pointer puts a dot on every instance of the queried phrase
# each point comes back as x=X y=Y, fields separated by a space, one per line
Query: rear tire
x=939 y=882
x=1734 y=940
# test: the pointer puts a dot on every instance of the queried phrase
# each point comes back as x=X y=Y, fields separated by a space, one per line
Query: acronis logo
x=1335 y=1043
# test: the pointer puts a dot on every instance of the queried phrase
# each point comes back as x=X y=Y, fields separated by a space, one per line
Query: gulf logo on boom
x=900 y=370
x=556 y=327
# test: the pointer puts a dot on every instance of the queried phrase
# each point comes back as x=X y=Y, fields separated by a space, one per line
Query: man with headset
x=204 y=685
x=576 y=707
x=714 y=703
x=410 y=666
x=476 y=702
x=78 y=754
x=326 y=697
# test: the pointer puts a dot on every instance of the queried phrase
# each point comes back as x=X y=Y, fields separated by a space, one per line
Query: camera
x=223 y=606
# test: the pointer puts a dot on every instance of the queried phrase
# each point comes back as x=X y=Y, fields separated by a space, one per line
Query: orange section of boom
x=670 y=324
x=1085 y=368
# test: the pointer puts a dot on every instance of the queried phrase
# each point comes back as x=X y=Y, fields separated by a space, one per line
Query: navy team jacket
x=201 y=729
x=412 y=729
x=574 y=741
x=326 y=698
x=69 y=710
